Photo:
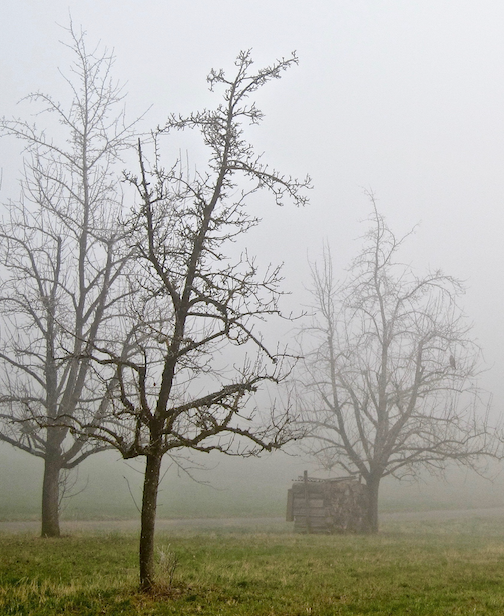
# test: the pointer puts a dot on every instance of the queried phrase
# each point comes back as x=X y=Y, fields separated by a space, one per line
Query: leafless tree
x=62 y=260
x=389 y=368
x=198 y=358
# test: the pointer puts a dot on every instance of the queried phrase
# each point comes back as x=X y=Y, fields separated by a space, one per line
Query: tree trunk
x=50 y=497
x=149 y=503
x=373 y=486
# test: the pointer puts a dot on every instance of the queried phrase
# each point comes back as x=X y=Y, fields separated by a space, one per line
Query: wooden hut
x=327 y=506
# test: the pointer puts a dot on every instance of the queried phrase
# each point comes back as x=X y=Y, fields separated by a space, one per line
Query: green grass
x=420 y=568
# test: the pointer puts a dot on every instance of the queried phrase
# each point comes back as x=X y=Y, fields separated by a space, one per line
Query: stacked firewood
x=327 y=505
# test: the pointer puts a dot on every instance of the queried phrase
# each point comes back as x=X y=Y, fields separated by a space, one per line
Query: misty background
x=404 y=99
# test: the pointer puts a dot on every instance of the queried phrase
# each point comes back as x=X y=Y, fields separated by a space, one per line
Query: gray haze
x=404 y=98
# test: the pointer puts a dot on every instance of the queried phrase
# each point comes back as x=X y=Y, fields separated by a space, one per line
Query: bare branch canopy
x=389 y=376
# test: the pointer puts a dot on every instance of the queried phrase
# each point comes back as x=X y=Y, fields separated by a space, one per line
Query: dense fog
x=401 y=99
x=106 y=487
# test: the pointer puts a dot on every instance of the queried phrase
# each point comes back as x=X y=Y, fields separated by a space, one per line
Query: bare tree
x=198 y=358
x=389 y=358
x=61 y=261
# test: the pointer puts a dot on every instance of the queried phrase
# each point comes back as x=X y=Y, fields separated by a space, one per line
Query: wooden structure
x=327 y=505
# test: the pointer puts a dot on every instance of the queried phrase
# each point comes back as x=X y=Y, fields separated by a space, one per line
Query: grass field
x=435 y=568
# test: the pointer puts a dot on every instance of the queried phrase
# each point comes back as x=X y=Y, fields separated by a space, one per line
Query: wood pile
x=327 y=506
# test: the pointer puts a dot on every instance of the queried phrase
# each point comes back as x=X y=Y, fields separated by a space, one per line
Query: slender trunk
x=373 y=486
x=149 y=503
x=50 y=497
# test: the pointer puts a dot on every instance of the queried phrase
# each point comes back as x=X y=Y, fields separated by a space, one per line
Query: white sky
x=404 y=98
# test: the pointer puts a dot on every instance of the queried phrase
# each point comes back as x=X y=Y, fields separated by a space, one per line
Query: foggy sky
x=403 y=98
